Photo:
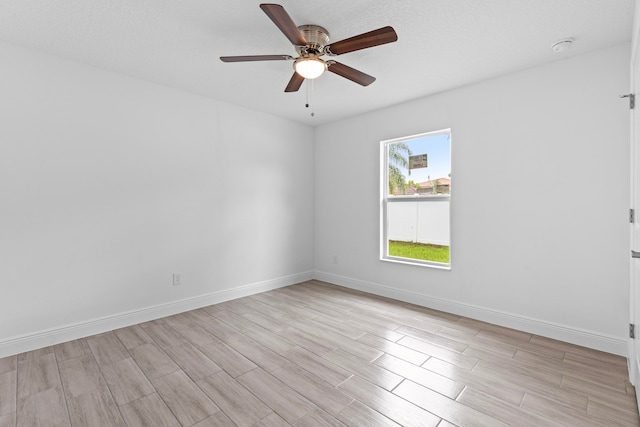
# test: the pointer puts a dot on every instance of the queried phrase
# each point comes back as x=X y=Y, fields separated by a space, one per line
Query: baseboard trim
x=39 y=339
x=582 y=337
x=60 y=334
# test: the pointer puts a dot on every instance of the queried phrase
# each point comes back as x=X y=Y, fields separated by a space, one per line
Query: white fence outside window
x=416 y=221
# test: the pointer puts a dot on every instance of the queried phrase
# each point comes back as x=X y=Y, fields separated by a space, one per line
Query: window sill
x=406 y=261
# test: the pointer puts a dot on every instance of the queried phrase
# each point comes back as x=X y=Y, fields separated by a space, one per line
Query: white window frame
x=385 y=200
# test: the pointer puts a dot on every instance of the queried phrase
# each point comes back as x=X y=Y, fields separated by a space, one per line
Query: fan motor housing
x=317 y=38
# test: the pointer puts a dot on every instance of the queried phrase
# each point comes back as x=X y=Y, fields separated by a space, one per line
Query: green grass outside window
x=421 y=251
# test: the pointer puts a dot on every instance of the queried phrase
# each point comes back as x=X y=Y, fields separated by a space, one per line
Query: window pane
x=419 y=230
x=420 y=166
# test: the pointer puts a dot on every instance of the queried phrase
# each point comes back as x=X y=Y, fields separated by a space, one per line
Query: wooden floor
x=313 y=355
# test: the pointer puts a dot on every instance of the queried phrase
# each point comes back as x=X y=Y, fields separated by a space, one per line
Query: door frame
x=633 y=360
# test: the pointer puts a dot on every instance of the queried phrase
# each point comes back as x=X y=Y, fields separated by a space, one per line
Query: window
x=416 y=188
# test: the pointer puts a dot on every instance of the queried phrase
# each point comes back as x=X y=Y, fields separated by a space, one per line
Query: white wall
x=109 y=184
x=539 y=207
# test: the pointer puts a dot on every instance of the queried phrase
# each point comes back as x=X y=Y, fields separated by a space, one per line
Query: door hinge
x=632 y=216
x=632 y=330
x=632 y=100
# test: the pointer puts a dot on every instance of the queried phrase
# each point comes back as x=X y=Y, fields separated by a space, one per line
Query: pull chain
x=312 y=110
x=310 y=96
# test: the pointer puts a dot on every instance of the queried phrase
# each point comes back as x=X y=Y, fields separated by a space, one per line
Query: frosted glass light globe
x=310 y=67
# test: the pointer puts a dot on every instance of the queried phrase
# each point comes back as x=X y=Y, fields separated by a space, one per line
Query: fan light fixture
x=310 y=67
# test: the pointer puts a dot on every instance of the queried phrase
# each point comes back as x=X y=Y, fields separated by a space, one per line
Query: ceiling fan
x=311 y=43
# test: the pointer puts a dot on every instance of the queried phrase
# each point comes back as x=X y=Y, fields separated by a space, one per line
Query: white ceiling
x=442 y=44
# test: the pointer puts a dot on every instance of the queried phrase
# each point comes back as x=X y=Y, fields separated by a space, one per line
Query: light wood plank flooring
x=315 y=354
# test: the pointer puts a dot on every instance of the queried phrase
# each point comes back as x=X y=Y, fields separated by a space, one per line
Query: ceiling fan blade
x=248 y=58
x=363 y=41
x=294 y=83
x=350 y=73
x=283 y=21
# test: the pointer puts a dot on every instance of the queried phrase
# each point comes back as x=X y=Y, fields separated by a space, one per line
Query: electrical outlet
x=177 y=279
